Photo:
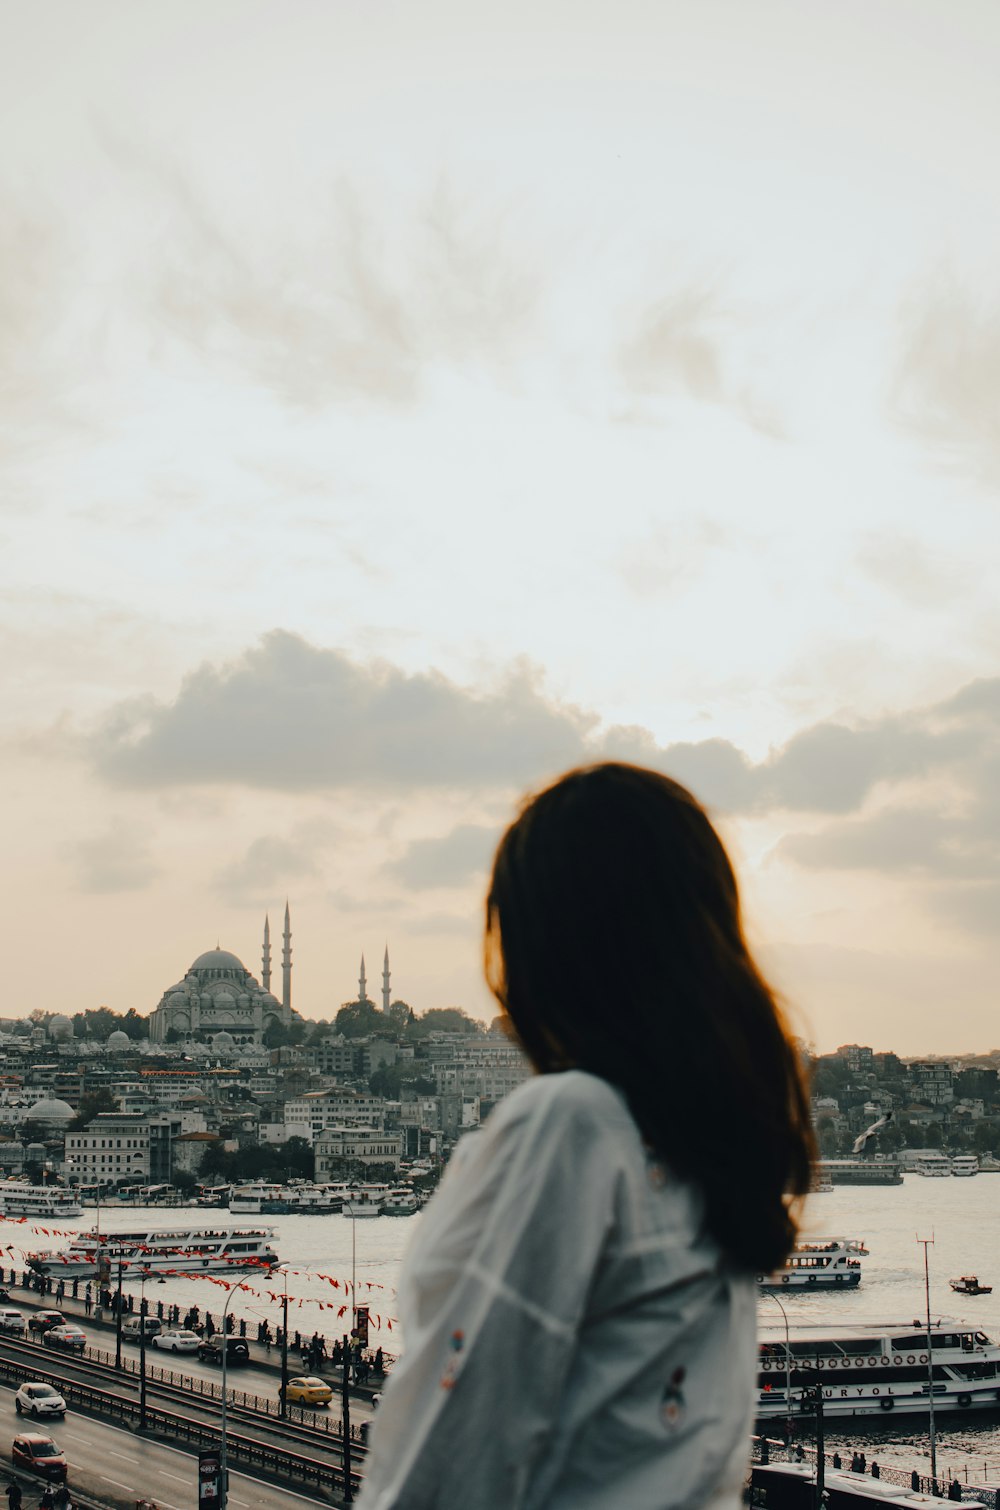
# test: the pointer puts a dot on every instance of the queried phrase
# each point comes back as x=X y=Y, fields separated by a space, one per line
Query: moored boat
x=829 y=1263
x=17 y=1198
x=878 y=1369
x=969 y=1285
x=189 y=1250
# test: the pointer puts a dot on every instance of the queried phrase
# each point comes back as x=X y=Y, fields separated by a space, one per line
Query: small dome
x=219 y=959
x=224 y=999
x=60 y=1027
x=178 y=999
x=223 y=1040
x=118 y=1041
x=50 y=1109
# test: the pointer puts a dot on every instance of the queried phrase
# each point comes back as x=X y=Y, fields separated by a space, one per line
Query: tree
x=443 y=1020
x=135 y=1025
x=91 y=1105
x=359 y=1019
x=184 y=1181
x=278 y=1036
x=99 y=1023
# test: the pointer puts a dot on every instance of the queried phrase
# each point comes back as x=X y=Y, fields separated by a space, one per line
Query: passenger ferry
x=878 y=1369
x=826 y=1263
x=964 y=1164
x=365 y=1201
x=19 y=1199
x=859 y=1171
x=400 y=1202
x=935 y=1166
x=181 y=1250
x=259 y=1199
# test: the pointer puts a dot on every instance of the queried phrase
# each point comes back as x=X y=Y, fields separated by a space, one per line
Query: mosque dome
x=178 y=999
x=60 y=1027
x=119 y=1041
x=223 y=1041
x=51 y=1109
x=220 y=962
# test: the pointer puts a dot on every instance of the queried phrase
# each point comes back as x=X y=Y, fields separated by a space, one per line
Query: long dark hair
x=614 y=944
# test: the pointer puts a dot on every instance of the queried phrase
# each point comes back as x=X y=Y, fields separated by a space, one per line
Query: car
x=39 y=1454
x=134 y=1326
x=71 y=1339
x=42 y=1320
x=176 y=1341
x=237 y=1350
x=308 y=1390
x=34 y=1399
x=12 y=1321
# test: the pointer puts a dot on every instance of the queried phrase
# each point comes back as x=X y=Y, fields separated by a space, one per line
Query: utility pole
x=346 y=1423
x=926 y=1241
x=820 y=1449
x=118 y=1320
x=284 y=1351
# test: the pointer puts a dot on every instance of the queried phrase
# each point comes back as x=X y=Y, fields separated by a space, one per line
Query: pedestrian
x=616 y=1331
x=88 y=1300
x=48 y=1499
x=14 y=1495
x=243 y=1326
x=209 y=1325
x=954 y=1490
x=379 y=1361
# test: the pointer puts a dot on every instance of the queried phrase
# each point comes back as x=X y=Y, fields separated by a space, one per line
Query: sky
x=402 y=403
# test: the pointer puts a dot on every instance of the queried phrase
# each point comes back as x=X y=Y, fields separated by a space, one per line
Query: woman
x=578 y=1302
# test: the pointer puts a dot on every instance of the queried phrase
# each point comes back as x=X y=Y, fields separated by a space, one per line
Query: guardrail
x=307 y=1419
x=276 y=1461
x=947 y=1485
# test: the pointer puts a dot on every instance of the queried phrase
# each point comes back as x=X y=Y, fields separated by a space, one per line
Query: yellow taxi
x=308 y=1391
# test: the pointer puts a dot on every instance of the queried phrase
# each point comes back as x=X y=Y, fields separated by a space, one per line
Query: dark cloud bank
x=913 y=794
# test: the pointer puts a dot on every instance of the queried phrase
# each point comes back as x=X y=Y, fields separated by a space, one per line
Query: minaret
x=362 y=984
x=385 y=981
x=265 y=963
x=286 y=964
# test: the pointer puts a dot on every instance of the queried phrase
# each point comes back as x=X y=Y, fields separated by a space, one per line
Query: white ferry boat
x=180 y=1250
x=826 y=1263
x=401 y=1202
x=258 y=1199
x=964 y=1164
x=364 y=1202
x=878 y=1369
x=934 y=1166
x=19 y=1199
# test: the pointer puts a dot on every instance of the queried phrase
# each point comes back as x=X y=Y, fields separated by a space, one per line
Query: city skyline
x=403 y=407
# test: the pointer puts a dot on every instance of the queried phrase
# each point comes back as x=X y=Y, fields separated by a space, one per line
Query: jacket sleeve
x=498 y=1284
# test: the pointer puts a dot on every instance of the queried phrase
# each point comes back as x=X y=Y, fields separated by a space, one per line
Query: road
x=112 y=1464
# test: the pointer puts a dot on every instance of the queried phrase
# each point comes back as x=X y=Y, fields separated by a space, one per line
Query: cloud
x=116 y=860
x=450 y=860
x=946 y=387
x=292 y=716
x=675 y=347
x=270 y=863
x=360 y=308
x=912 y=572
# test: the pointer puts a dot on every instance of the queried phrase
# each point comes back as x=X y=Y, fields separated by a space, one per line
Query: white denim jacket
x=573 y=1339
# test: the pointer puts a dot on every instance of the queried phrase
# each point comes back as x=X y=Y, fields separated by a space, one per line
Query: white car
x=176 y=1342
x=39 y=1400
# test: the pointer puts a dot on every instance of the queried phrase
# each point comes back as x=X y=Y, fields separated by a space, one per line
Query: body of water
x=962 y=1215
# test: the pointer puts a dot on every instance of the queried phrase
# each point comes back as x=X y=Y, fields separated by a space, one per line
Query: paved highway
x=113 y=1464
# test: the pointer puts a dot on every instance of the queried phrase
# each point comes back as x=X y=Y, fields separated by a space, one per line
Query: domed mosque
x=219 y=995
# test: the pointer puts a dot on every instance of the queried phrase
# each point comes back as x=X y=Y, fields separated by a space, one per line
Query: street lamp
x=224 y=1480
x=347 y=1359
x=788 y=1366
x=142 y=1349
x=284 y=1350
x=926 y=1241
